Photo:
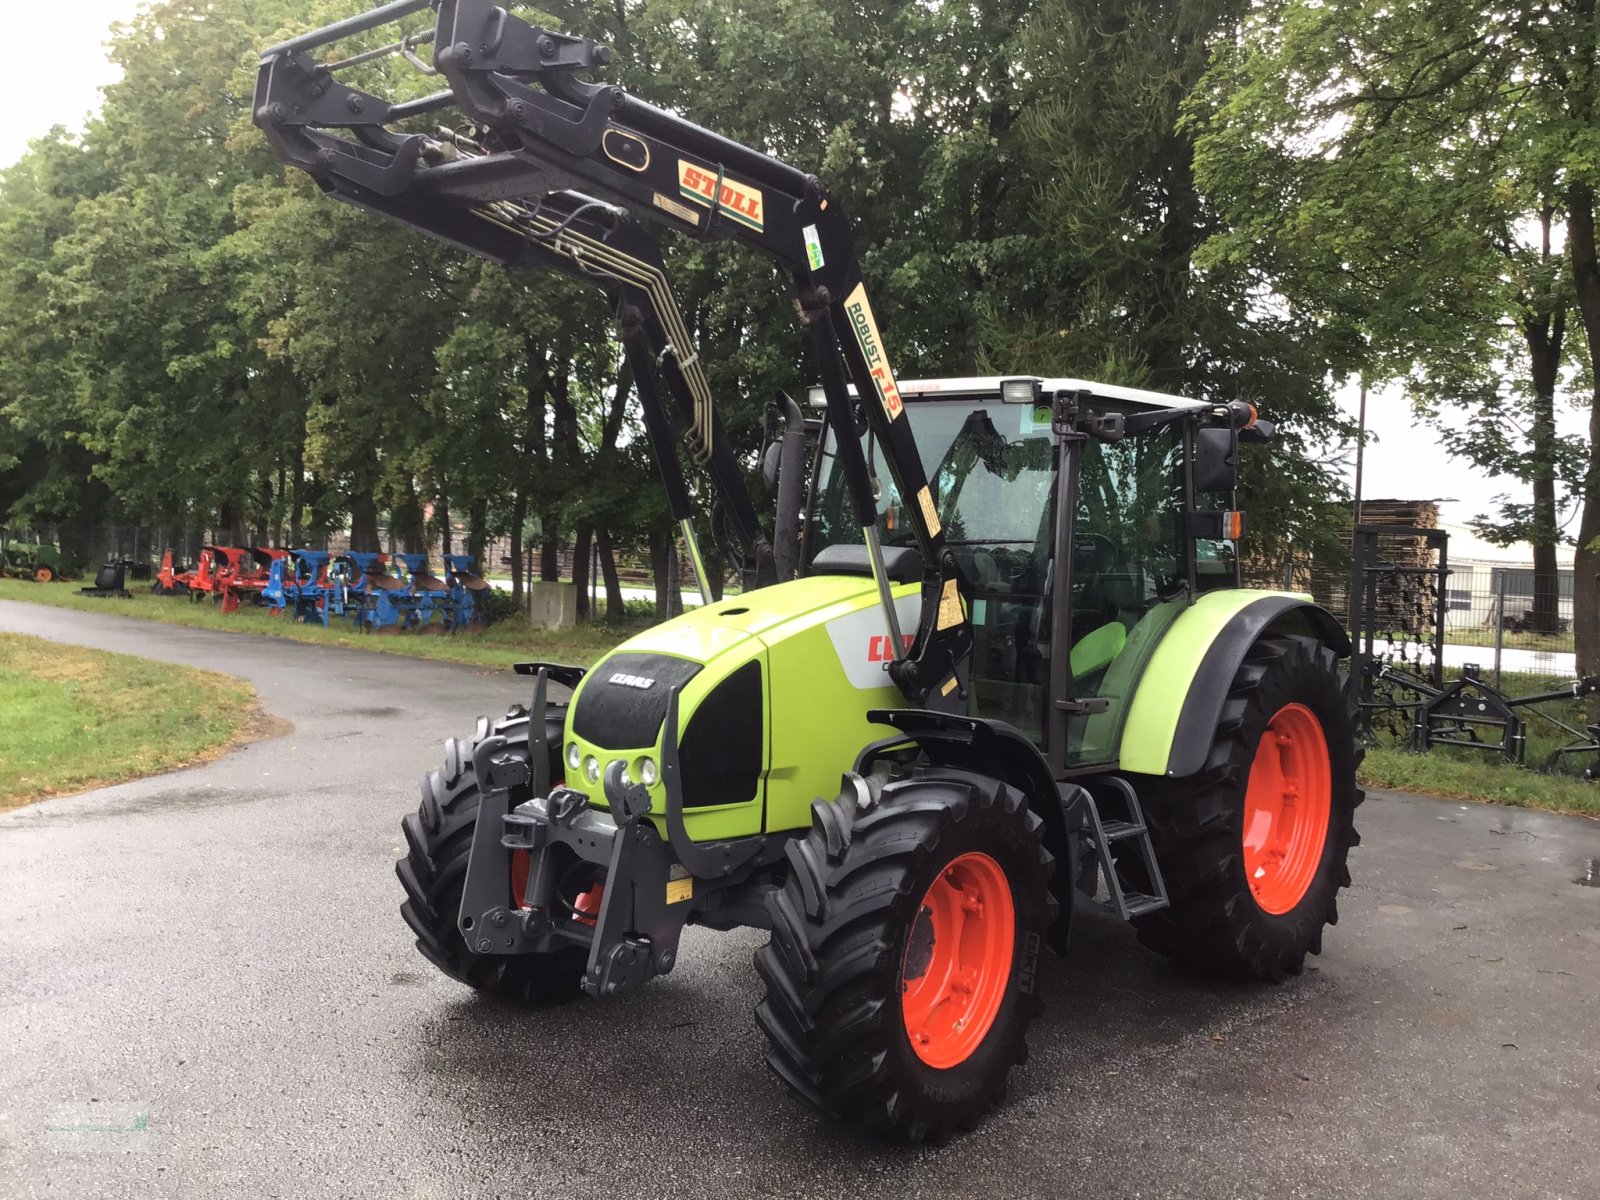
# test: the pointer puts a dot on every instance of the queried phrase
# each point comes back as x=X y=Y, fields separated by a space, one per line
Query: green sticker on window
x=813 y=247
x=1036 y=419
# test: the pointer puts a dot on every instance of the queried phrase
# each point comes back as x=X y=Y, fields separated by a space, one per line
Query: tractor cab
x=993 y=458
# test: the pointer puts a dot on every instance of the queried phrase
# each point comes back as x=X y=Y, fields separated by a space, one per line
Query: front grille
x=624 y=699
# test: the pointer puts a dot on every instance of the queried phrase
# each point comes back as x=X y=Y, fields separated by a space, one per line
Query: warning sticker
x=929 y=513
x=950 y=605
x=679 y=890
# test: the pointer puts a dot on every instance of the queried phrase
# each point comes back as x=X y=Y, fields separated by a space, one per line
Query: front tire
x=1254 y=849
x=900 y=976
x=434 y=872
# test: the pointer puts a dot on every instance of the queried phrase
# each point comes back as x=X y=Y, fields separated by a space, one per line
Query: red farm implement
x=226 y=573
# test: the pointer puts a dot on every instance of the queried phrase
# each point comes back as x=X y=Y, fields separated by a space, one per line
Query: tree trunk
x=608 y=572
x=662 y=547
x=278 y=504
x=406 y=523
x=1544 y=332
x=364 y=523
x=519 y=516
x=230 y=525
x=1586 y=563
x=549 y=549
x=297 y=495
x=478 y=535
x=580 y=570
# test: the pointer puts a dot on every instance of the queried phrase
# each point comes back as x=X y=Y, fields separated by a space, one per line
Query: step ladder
x=1114 y=818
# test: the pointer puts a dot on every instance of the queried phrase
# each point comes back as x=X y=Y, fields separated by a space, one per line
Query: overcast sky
x=72 y=35
x=1406 y=461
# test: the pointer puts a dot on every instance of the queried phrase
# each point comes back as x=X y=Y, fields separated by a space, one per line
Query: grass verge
x=1490 y=782
x=78 y=718
x=503 y=643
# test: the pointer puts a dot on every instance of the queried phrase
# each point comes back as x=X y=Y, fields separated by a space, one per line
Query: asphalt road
x=206 y=990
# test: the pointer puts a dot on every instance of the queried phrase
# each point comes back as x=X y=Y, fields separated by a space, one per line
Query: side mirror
x=1260 y=433
x=1216 y=460
x=770 y=460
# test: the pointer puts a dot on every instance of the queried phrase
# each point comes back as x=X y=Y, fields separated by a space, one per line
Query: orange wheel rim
x=1287 y=806
x=957 y=960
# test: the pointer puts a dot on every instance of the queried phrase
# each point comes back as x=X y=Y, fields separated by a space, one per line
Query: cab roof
x=933 y=389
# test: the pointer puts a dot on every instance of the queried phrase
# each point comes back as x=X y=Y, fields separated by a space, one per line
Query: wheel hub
x=1287 y=807
x=957 y=960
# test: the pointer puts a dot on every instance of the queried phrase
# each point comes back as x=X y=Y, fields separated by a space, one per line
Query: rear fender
x=1197 y=660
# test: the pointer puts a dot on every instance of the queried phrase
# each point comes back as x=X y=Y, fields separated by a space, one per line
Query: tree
x=1396 y=171
x=1115 y=222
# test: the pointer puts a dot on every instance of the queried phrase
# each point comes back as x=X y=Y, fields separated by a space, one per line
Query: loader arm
x=547 y=132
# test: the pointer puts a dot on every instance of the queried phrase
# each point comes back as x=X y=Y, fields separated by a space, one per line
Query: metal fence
x=1489 y=622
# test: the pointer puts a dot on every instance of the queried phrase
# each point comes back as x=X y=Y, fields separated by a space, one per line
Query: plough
x=316 y=586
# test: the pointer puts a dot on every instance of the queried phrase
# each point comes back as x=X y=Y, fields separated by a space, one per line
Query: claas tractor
x=992 y=664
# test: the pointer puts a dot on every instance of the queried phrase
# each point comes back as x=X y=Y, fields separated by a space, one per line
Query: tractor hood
x=734 y=734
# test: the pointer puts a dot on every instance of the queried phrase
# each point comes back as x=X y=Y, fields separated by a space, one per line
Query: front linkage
x=650 y=887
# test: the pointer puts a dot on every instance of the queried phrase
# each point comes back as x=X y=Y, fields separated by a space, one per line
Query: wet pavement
x=206 y=990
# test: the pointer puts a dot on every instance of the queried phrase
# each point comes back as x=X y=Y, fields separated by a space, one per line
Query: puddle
x=374 y=712
x=1589 y=874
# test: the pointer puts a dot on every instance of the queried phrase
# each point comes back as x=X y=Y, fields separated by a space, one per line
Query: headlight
x=591 y=769
x=574 y=755
x=647 y=772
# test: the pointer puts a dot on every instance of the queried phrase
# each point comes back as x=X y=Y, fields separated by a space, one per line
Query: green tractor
x=999 y=665
x=38 y=561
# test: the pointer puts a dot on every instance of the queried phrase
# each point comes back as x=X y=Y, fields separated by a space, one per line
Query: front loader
x=1014 y=669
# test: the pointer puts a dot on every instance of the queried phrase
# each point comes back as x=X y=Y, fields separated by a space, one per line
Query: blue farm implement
x=299 y=584
x=434 y=602
x=471 y=593
x=379 y=602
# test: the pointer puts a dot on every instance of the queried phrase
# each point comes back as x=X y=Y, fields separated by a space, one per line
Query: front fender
x=1176 y=707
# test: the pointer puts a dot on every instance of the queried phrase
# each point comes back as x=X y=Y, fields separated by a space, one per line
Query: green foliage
x=1415 y=178
x=196 y=336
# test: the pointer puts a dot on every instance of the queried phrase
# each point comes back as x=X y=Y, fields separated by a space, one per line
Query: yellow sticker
x=950 y=612
x=679 y=890
x=929 y=513
x=949 y=686
x=865 y=328
x=738 y=200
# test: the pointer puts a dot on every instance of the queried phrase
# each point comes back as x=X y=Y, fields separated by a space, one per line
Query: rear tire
x=433 y=874
x=856 y=967
x=1253 y=883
